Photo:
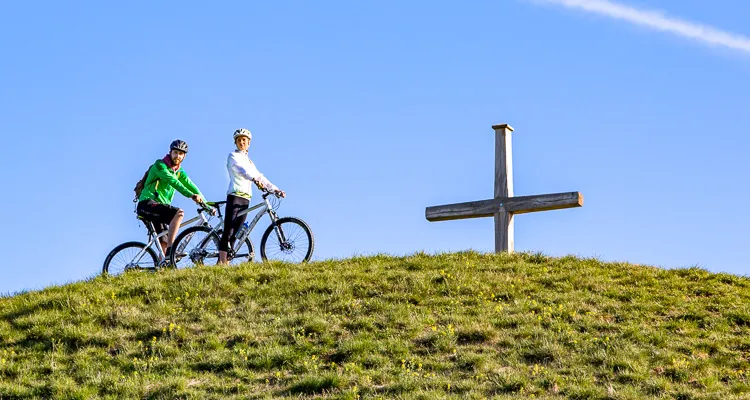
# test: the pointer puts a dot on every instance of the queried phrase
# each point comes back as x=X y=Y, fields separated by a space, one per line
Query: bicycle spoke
x=129 y=256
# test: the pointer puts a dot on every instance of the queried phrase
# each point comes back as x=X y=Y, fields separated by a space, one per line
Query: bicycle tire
x=107 y=268
x=298 y=246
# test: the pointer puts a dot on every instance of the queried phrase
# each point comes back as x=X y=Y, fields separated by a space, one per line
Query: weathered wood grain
x=504 y=232
x=544 y=202
x=503 y=161
x=471 y=209
x=515 y=205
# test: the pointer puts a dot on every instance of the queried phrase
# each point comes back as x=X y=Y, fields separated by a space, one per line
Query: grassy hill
x=463 y=325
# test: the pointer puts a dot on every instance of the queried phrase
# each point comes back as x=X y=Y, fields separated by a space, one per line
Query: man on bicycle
x=155 y=201
x=242 y=174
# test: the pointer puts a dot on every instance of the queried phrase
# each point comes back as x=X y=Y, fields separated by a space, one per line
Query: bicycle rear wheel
x=196 y=245
x=130 y=256
x=293 y=242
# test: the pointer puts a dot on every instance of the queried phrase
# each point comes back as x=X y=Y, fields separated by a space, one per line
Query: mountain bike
x=139 y=256
x=287 y=239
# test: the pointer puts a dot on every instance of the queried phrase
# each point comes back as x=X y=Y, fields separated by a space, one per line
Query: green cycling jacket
x=162 y=181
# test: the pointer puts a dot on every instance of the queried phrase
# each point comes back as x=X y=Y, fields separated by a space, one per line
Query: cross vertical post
x=503 y=187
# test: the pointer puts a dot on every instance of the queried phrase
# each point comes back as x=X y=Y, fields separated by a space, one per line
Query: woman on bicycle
x=242 y=175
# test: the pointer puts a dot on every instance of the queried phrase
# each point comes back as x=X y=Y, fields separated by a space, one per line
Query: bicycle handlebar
x=267 y=193
x=207 y=208
x=210 y=207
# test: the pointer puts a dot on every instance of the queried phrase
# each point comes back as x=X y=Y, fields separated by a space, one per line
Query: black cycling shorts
x=161 y=215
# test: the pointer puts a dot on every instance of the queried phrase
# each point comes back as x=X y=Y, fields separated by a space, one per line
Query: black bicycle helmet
x=180 y=145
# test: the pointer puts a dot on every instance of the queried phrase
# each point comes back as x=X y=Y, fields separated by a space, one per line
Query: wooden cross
x=504 y=206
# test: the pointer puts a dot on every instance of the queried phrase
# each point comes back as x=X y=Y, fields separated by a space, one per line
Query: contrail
x=659 y=21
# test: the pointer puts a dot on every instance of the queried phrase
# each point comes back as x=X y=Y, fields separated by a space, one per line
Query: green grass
x=456 y=326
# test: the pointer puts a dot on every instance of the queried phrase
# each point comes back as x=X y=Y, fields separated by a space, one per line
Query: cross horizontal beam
x=515 y=205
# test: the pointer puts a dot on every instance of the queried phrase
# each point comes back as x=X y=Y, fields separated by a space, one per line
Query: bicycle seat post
x=151 y=230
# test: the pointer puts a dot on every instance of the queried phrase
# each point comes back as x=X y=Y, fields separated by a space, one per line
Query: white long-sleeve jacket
x=242 y=172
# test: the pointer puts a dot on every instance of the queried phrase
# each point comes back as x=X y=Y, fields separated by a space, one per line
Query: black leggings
x=232 y=222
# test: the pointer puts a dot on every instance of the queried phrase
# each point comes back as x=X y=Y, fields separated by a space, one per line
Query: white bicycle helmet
x=242 y=132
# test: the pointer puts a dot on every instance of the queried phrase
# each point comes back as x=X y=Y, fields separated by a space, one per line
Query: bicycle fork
x=277 y=228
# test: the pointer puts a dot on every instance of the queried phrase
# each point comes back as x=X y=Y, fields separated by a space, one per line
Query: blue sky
x=367 y=112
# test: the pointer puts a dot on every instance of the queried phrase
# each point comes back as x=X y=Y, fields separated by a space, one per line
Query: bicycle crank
x=198 y=255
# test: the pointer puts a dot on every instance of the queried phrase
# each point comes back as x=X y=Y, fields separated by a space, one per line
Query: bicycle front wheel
x=130 y=256
x=289 y=240
x=197 y=245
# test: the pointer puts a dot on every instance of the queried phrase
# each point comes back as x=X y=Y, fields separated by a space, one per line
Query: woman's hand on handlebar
x=277 y=193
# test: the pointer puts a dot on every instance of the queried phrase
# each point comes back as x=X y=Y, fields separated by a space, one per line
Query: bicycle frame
x=263 y=208
x=153 y=239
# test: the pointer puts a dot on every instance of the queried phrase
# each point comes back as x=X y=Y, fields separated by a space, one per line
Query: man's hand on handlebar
x=198 y=199
x=209 y=208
